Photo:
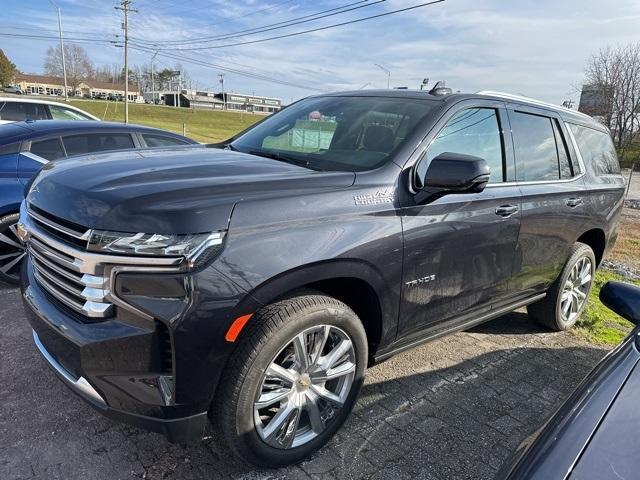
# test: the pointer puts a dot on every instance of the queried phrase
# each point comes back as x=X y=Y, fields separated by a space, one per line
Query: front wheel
x=292 y=381
x=12 y=250
x=568 y=295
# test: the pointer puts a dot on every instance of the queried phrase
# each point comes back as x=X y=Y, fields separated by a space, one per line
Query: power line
x=277 y=25
x=326 y=27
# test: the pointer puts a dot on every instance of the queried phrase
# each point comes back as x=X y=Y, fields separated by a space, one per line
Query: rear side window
x=536 y=149
x=63 y=113
x=20 y=111
x=97 y=142
x=474 y=131
x=48 y=149
x=162 y=141
x=597 y=150
x=563 y=156
x=9 y=149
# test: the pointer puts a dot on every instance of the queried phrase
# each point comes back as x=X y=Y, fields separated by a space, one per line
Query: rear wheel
x=568 y=295
x=12 y=250
x=292 y=381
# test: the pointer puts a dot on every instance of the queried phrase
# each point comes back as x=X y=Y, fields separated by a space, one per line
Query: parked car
x=26 y=146
x=254 y=283
x=594 y=435
x=20 y=109
x=12 y=89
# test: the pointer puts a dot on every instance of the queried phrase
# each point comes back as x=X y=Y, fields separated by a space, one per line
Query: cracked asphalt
x=454 y=408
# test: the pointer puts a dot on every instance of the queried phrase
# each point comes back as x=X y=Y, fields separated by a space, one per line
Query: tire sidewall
x=583 y=251
x=254 y=446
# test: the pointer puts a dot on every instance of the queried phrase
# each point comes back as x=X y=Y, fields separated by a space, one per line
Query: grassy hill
x=202 y=125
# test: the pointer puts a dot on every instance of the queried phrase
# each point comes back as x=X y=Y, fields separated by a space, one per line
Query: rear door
x=552 y=186
x=36 y=153
x=459 y=249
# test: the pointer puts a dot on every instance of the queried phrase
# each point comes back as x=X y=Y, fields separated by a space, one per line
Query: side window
x=563 y=155
x=162 y=140
x=475 y=131
x=50 y=149
x=20 y=111
x=535 y=145
x=97 y=142
x=597 y=150
x=63 y=113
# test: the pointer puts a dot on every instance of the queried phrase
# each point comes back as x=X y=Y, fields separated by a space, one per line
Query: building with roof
x=54 y=86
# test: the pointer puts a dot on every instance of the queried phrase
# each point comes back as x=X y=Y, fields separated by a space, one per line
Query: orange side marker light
x=236 y=327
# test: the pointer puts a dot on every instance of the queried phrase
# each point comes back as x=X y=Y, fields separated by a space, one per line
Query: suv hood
x=168 y=190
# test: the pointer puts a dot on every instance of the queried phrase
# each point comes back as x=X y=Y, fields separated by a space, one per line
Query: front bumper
x=179 y=430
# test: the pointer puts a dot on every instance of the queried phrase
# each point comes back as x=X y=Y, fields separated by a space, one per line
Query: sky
x=534 y=48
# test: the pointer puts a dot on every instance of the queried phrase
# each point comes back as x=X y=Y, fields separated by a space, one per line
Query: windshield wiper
x=284 y=158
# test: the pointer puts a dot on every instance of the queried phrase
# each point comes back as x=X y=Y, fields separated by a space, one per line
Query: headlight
x=196 y=248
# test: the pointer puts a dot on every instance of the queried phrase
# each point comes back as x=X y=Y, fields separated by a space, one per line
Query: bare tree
x=78 y=63
x=615 y=72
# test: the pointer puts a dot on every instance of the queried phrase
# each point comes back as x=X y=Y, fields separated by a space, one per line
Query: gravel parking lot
x=451 y=409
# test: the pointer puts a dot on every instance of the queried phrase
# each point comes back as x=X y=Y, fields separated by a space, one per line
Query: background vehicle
x=254 y=284
x=12 y=89
x=19 y=109
x=594 y=435
x=26 y=146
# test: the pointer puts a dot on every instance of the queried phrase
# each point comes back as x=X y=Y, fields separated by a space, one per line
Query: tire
x=268 y=344
x=11 y=250
x=568 y=295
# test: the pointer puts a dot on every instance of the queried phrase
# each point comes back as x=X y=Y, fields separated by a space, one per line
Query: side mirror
x=622 y=298
x=453 y=173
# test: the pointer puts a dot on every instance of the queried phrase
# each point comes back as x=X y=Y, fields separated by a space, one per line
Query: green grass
x=598 y=324
x=202 y=125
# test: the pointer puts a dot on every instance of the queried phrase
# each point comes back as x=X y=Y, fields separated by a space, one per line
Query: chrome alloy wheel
x=304 y=387
x=576 y=289
x=12 y=251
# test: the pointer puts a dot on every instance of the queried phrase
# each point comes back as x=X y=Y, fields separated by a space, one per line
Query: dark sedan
x=26 y=146
x=596 y=433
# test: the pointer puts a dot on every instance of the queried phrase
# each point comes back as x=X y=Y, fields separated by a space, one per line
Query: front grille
x=60 y=270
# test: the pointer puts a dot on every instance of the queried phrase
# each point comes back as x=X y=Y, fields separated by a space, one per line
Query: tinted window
x=563 y=155
x=162 y=140
x=20 y=111
x=475 y=131
x=63 y=113
x=97 y=142
x=337 y=133
x=48 y=149
x=597 y=150
x=536 y=151
x=9 y=149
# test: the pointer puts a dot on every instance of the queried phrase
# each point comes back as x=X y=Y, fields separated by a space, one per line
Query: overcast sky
x=536 y=48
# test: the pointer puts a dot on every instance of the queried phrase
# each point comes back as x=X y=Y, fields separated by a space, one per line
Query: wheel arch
x=354 y=283
x=596 y=239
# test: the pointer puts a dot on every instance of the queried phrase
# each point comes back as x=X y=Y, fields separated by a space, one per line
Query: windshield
x=336 y=133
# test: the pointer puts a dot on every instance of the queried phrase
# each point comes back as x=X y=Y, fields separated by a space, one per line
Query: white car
x=13 y=109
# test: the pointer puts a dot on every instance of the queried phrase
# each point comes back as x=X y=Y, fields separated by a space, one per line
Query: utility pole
x=224 y=100
x=64 y=66
x=388 y=74
x=153 y=85
x=125 y=6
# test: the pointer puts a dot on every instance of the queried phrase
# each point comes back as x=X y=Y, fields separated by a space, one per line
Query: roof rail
x=511 y=96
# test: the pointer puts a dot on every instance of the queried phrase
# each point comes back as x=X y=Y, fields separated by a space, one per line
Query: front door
x=459 y=249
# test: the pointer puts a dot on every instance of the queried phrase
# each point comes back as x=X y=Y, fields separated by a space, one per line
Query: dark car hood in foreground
x=168 y=191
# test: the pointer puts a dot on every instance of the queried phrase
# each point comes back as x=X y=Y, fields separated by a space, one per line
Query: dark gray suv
x=254 y=282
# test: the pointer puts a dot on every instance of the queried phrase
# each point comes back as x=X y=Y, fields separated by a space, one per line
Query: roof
x=20 y=131
x=566 y=113
x=22 y=99
x=51 y=80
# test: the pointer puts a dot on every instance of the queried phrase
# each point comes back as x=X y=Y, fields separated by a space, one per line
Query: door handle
x=574 y=202
x=506 y=210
